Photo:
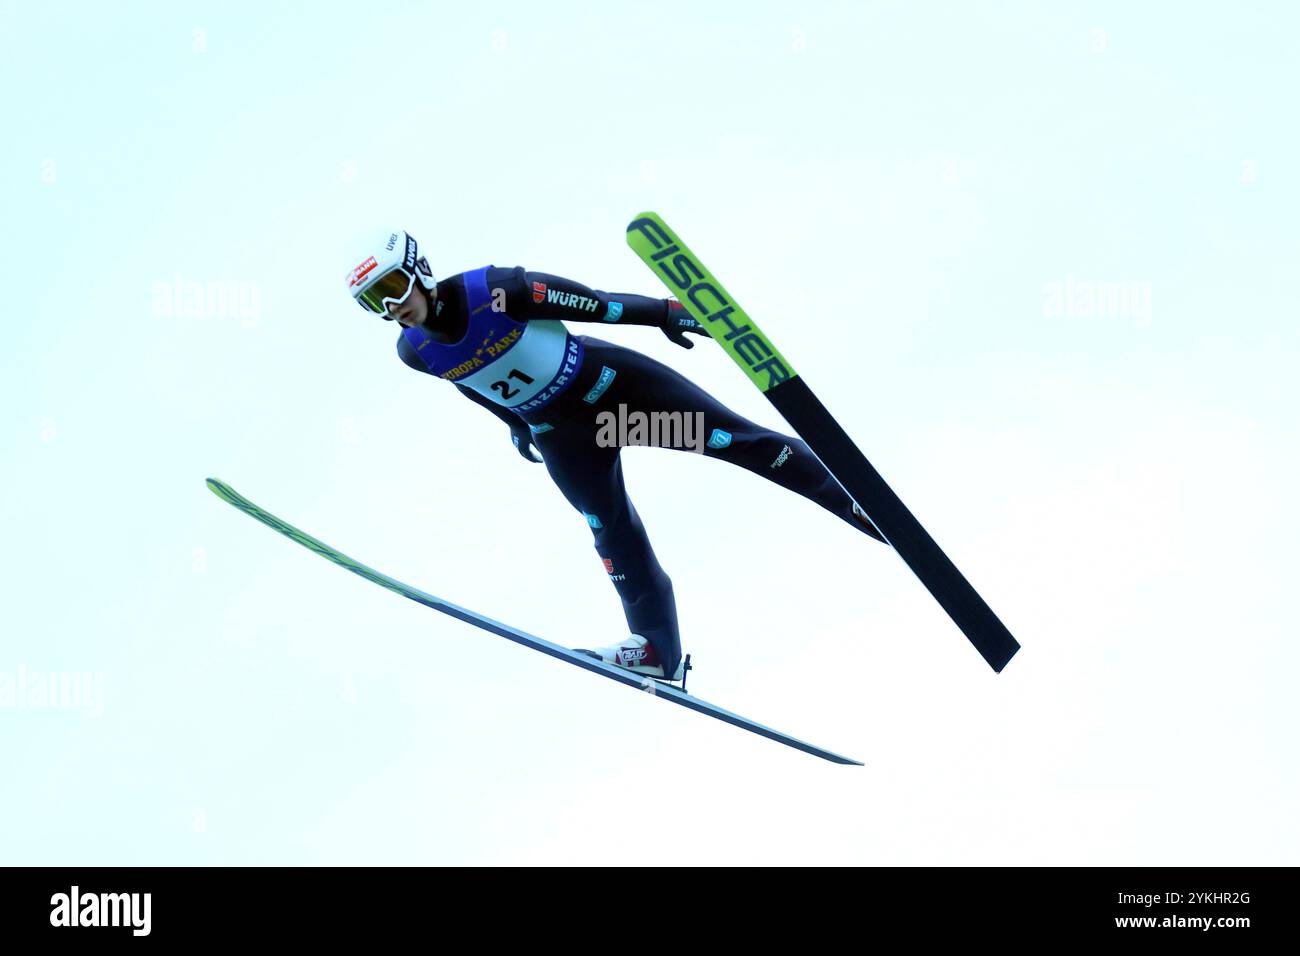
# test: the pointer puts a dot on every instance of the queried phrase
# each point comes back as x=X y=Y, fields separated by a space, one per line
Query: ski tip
x=639 y=220
x=223 y=491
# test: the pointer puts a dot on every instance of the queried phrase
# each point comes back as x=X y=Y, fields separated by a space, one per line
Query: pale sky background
x=896 y=191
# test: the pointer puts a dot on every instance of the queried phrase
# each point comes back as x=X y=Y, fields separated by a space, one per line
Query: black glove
x=678 y=322
x=523 y=441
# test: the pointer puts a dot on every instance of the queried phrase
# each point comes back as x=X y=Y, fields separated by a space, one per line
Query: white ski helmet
x=389 y=272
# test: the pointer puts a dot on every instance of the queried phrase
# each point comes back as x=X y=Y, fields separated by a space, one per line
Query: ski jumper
x=497 y=334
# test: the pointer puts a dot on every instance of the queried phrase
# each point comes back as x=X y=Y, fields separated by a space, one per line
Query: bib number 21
x=504 y=388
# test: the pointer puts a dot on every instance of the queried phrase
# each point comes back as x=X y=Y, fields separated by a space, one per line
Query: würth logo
x=102 y=909
x=539 y=291
x=570 y=300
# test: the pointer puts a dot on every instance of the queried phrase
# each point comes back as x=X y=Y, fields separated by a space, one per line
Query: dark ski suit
x=495 y=334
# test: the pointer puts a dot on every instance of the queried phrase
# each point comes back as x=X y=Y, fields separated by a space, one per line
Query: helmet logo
x=358 y=275
x=392 y=241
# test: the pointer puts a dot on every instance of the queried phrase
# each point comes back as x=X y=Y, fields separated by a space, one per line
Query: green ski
x=658 y=689
x=728 y=324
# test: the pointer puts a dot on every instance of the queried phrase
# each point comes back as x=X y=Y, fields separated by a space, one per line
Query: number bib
x=521 y=365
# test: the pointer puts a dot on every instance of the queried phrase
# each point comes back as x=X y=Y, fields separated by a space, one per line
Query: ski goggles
x=391 y=288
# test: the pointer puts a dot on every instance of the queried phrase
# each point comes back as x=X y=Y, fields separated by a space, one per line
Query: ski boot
x=636 y=654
